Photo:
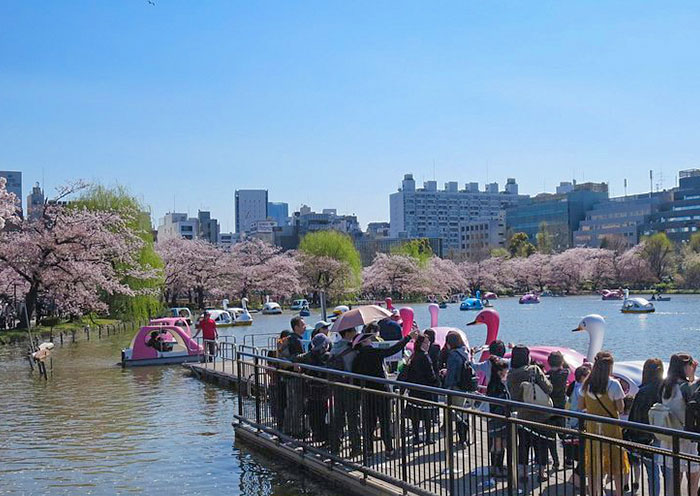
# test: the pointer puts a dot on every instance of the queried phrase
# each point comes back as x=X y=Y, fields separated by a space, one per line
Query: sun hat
x=319 y=341
x=321 y=324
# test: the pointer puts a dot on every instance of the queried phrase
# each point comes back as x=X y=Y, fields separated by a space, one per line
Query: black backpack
x=692 y=410
x=468 y=381
x=337 y=362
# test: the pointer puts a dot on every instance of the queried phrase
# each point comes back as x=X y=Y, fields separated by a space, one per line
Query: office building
x=208 y=228
x=479 y=237
x=227 y=240
x=306 y=221
x=177 y=225
x=619 y=217
x=680 y=217
x=378 y=230
x=14 y=185
x=431 y=213
x=35 y=202
x=251 y=205
x=562 y=213
x=279 y=212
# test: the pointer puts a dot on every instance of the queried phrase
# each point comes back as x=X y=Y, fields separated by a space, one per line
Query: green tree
x=694 y=243
x=147 y=301
x=520 y=246
x=331 y=262
x=418 y=249
x=545 y=239
x=657 y=249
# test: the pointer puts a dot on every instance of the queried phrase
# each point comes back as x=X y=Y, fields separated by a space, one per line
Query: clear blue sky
x=329 y=103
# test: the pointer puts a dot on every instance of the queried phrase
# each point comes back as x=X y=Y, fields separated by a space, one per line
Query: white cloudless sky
x=329 y=103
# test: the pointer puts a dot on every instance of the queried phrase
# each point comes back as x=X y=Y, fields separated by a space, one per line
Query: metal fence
x=431 y=441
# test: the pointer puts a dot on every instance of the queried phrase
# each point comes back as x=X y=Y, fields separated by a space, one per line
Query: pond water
x=94 y=428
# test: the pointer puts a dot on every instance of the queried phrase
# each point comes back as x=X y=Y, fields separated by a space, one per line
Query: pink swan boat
x=612 y=294
x=528 y=299
x=177 y=345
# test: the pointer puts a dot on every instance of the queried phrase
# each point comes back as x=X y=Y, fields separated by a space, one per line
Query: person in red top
x=208 y=329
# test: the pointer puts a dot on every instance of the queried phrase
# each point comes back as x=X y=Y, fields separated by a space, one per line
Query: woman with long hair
x=497 y=429
x=456 y=357
x=419 y=370
x=603 y=395
x=675 y=393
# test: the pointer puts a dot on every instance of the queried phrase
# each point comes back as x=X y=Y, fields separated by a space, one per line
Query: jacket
x=314 y=358
x=420 y=371
x=497 y=389
x=295 y=346
x=370 y=361
x=647 y=395
x=559 y=380
x=516 y=377
x=455 y=367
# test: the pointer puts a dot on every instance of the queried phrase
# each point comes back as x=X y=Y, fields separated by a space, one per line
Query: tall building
x=279 y=212
x=562 y=213
x=227 y=240
x=306 y=220
x=431 y=213
x=479 y=237
x=619 y=217
x=680 y=217
x=251 y=206
x=177 y=225
x=208 y=228
x=14 y=185
x=35 y=202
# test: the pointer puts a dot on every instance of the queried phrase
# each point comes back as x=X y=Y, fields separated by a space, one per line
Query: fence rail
x=437 y=442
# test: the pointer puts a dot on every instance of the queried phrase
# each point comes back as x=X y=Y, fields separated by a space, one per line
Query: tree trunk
x=30 y=303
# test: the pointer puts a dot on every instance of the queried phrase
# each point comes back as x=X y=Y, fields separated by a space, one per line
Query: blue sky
x=329 y=103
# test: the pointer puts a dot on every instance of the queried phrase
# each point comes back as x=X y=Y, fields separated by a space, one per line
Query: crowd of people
x=331 y=413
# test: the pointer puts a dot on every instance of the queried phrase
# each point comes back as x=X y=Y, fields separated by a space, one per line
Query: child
x=497 y=429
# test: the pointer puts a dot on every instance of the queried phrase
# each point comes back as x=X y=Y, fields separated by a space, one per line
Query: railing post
x=402 y=440
x=449 y=443
x=257 y=390
x=677 y=467
x=240 y=387
x=512 y=454
x=581 y=466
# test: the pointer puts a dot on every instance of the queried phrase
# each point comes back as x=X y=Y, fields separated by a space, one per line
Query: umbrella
x=359 y=316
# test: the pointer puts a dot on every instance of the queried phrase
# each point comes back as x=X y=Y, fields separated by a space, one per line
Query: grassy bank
x=19 y=335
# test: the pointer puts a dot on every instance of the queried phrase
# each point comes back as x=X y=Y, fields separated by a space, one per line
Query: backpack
x=692 y=411
x=660 y=415
x=534 y=394
x=337 y=362
x=468 y=381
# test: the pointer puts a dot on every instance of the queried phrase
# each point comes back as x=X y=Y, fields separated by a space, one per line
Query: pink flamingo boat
x=489 y=295
x=528 y=299
x=539 y=354
x=407 y=316
x=162 y=342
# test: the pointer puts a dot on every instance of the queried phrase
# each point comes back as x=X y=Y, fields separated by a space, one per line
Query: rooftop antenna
x=625 y=187
x=651 y=182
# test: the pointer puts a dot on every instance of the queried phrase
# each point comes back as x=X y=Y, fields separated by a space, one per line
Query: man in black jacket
x=370 y=362
x=293 y=424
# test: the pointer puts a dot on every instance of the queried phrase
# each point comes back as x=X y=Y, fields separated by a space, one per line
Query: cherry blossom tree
x=192 y=267
x=634 y=268
x=394 y=275
x=8 y=205
x=481 y=275
x=68 y=258
x=259 y=267
x=442 y=277
x=600 y=267
x=537 y=270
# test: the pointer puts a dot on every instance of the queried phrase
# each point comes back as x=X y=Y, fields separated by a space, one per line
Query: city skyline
x=183 y=104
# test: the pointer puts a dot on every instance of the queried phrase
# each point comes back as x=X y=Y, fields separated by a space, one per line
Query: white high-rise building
x=251 y=206
x=432 y=213
x=178 y=225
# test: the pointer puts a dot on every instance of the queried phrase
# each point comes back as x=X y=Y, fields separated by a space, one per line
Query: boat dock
x=291 y=412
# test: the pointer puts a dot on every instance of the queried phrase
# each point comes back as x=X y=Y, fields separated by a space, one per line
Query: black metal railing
x=432 y=441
